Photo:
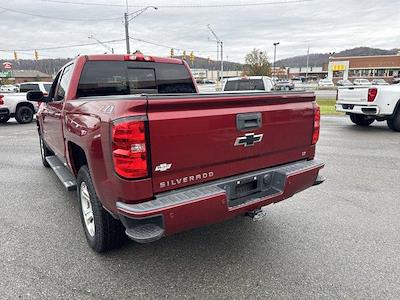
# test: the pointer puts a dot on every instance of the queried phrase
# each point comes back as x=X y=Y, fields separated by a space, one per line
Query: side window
x=26 y=87
x=63 y=83
x=54 y=86
x=231 y=85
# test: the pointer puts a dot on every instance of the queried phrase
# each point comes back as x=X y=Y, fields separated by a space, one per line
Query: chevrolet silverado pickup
x=366 y=105
x=149 y=156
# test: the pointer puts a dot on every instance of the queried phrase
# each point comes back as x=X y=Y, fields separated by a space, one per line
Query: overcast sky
x=324 y=25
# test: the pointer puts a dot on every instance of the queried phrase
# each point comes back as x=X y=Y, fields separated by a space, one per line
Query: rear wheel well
x=30 y=105
x=77 y=157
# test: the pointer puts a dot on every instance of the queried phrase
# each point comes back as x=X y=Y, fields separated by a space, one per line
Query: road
x=336 y=240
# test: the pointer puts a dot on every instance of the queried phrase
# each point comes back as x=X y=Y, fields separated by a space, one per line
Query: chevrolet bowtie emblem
x=249 y=139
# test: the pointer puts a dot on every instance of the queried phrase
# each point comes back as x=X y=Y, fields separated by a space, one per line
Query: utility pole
x=219 y=44
x=126 y=23
x=101 y=43
x=129 y=17
x=275 y=44
x=308 y=59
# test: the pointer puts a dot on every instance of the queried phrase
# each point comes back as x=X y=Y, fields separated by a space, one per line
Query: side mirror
x=36 y=96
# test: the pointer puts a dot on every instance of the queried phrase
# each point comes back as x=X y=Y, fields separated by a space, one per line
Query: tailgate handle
x=248 y=121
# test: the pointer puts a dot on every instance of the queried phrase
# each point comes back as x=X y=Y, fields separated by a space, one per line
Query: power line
x=30 y=53
x=109 y=42
x=61 y=47
x=182 y=5
x=170 y=47
x=57 y=18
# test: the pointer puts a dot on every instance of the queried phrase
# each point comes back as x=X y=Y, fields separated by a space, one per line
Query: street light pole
x=275 y=44
x=129 y=17
x=219 y=44
x=101 y=43
x=222 y=61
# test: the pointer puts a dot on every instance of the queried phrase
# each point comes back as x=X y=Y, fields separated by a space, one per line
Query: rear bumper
x=217 y=201
x=370 y=110
x=4 y=112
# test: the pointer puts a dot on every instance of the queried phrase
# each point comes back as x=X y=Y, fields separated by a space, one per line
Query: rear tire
x=4 y=119
x=361 y=120
x=24 y=114
x=102 y=231
x=44 y=152
x=394 y=123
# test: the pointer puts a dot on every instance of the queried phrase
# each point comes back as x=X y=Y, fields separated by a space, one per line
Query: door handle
x=249 y=121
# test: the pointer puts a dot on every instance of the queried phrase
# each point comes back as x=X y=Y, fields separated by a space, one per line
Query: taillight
x=372 y=94
x=129 y=148
x=317 y=122
x=138 y=56
x=129 y=57
x=1 y=99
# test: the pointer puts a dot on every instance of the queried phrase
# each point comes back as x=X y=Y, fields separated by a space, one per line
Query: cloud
x=321 y=24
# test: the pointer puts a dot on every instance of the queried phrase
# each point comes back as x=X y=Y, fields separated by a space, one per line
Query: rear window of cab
x=104 y=78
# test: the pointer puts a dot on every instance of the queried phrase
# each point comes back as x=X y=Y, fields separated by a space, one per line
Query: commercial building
x=386 y=67
x=311 y=73
x=19 y=76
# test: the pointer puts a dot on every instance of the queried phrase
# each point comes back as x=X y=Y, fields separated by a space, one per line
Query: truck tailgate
x=198 y=138
x=353 y=94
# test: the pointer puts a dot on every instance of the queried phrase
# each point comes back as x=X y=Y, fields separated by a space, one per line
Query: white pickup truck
x=15 y=105
x=372 y=103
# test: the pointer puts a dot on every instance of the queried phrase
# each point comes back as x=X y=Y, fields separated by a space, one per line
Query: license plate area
x=251 y=188
x=246 y=187
x=348 y=106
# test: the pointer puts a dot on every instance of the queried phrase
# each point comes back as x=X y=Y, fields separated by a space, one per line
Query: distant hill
x=318 y=59
x=48 y=66
x=51 y=66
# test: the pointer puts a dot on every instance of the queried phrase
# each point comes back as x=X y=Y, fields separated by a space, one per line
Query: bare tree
x=257 y=64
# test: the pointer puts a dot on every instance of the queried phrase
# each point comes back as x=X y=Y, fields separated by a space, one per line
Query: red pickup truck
x=150 y=156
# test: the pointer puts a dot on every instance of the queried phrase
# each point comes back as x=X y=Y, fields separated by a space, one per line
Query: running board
x=66 y=177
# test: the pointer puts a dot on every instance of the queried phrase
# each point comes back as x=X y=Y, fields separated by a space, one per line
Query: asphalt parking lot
x=337 y=240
